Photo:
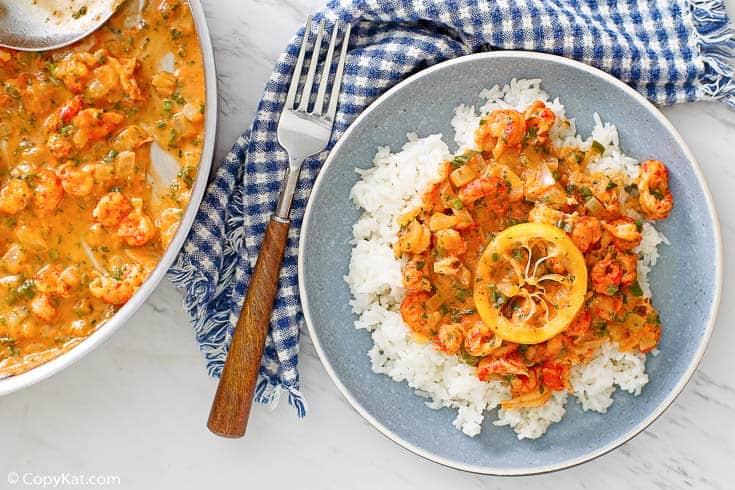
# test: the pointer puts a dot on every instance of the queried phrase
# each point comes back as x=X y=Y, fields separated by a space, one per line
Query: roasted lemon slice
x=530 y=283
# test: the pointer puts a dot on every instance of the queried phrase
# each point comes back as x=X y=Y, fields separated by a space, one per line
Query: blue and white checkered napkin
x=669 y=50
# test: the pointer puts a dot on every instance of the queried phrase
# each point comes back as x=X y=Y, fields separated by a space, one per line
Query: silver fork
x=302 y=133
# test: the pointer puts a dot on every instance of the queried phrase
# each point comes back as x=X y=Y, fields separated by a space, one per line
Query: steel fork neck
x=288 y=188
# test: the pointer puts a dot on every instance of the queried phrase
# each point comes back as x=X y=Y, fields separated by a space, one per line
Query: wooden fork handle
x=234 y=397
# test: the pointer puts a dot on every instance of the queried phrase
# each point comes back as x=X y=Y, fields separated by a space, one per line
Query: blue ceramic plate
x=425 y=103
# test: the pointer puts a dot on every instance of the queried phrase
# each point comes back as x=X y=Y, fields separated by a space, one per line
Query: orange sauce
x=82 y=217
x=518 y=176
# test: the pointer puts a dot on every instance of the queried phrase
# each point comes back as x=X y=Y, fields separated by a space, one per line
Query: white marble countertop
x=137 y=406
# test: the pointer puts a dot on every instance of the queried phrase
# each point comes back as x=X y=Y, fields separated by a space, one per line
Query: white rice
x=393 y=186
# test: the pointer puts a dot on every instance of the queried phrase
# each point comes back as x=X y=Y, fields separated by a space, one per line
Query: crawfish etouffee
x=81 y=222
x=523 y=262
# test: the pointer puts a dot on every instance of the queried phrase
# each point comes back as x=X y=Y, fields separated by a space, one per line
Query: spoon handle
x=234 y=397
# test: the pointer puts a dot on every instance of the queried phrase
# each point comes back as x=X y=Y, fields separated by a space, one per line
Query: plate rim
x=626 y=436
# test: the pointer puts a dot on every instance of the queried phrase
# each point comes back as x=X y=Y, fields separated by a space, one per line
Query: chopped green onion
x=565 y=225
x=173 y=138
x=462 y=159
x=599 y=327
x=597 y=147
x=522 y=348
x=635 y=289
x=498 y=298
x=469 y=358
x=27 y=289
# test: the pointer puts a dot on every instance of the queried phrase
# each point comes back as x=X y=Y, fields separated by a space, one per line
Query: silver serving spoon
x=40 y=25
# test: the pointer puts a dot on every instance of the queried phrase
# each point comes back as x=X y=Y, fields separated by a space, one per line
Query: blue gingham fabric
x=669 y=50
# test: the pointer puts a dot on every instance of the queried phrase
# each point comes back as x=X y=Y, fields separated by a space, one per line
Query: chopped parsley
x=110 y=156
x=116 y=273
x=80 y=13
x=187 y=174
x=462 y=293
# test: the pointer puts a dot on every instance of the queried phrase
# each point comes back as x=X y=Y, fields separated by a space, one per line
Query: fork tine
x=296 y=77
x=334 y=96
x=326 y=70
x=306 y=94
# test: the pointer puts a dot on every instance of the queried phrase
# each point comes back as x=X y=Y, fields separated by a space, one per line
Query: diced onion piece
x=477 y=163
x=510 y=178
x=544 y=175
x=31 y=237
x=441 y=221
x=463 y=175
x=92 y=257
x=531 y=399
x=434 y=302
x=125 y=164
x=164 y=83
x=192 y=112
x=448 y=266
x=594 y=206
x=464 y=219
x=407 y=217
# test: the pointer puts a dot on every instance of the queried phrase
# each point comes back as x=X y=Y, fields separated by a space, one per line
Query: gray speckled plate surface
x=424 y=103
